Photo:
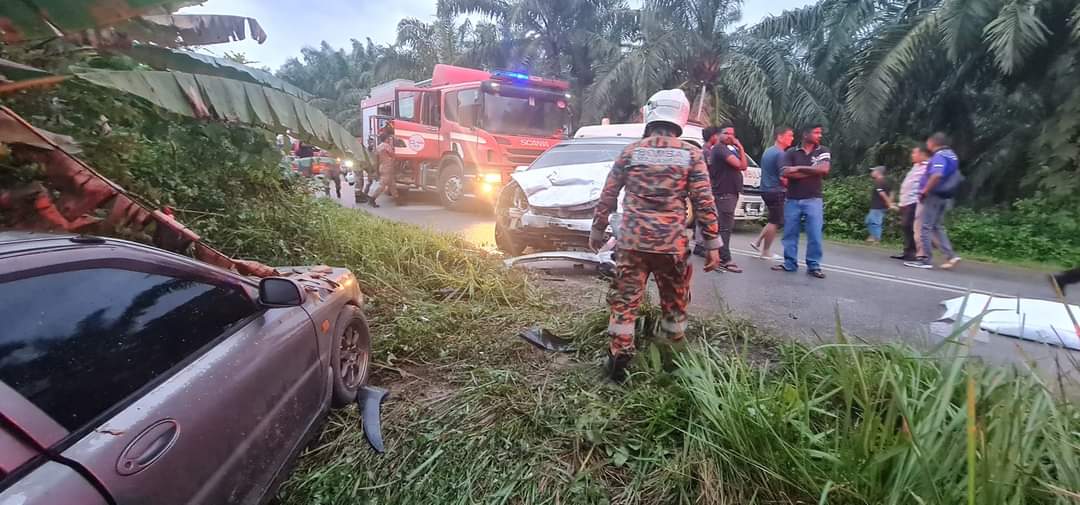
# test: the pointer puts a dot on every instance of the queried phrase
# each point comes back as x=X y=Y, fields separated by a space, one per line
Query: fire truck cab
x=463 y=132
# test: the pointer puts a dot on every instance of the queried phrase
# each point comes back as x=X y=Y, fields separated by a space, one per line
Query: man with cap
x=659 y=174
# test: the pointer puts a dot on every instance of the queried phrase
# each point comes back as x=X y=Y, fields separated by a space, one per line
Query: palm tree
x=986 y=70
x=732 y=75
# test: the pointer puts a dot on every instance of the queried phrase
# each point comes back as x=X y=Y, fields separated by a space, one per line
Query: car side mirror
x=280 y=292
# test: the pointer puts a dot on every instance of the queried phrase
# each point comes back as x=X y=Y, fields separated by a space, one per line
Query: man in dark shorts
x=726 y=174
x=773 y=191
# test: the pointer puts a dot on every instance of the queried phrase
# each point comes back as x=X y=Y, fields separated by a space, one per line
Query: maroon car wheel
x=351 y=358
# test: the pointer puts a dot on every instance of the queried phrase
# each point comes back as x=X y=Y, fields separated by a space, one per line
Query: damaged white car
x=549 y=205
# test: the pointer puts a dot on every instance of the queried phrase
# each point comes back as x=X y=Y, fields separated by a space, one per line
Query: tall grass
x=835 y=424
x=858 y=424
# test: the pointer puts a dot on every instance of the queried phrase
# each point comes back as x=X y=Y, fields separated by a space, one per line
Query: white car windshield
x=575 y=154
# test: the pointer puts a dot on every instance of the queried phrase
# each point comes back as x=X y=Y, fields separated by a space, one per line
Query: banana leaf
x=213 y=97
x=162 y=58
x=172 y=31
x=31 y=19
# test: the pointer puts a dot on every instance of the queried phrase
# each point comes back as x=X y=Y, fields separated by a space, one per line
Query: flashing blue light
x=512 y=75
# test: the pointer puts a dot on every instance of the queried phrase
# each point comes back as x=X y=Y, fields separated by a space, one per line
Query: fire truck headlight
x=492 y=178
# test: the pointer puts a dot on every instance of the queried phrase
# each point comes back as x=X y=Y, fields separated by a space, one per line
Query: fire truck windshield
x=522 y=113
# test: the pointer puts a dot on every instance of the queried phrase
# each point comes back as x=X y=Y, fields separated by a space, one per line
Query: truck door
x=416 y=125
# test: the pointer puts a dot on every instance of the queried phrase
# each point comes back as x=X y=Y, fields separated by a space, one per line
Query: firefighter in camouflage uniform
x=659 y=173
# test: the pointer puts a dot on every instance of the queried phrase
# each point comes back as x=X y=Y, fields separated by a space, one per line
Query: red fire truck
x=464 y=131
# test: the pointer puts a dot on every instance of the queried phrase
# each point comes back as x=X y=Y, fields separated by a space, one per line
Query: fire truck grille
x=522 y=156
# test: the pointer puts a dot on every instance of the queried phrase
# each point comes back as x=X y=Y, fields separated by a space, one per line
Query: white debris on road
x=1032 y=319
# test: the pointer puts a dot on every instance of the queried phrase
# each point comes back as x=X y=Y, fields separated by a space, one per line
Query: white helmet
x=668 y=106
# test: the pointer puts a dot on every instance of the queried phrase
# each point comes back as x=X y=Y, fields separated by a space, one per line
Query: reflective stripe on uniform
x=620 y=329
x=671 y=156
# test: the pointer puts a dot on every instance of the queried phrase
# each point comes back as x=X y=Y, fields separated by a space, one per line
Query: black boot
x=616 y=366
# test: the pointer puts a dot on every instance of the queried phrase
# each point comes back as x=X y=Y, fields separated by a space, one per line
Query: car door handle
x=148 y=447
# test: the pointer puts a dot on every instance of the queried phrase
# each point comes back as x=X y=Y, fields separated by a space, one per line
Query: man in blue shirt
x=773 y=190
x=936 y=191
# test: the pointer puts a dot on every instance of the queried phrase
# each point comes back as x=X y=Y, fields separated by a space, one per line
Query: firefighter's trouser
x=632 y=268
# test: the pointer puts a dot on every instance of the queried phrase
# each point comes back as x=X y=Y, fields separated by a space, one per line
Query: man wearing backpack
x=936 y=191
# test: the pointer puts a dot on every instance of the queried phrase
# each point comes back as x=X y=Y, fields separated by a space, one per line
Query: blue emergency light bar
x=510 y=76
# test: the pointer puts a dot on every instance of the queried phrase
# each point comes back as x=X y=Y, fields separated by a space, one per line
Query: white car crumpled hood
x=564 y=185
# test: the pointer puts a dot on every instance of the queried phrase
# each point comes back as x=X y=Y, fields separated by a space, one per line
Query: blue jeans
x=813 y=210
x=874 y=220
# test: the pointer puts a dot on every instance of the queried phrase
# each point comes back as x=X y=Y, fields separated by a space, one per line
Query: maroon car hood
x=322 y=282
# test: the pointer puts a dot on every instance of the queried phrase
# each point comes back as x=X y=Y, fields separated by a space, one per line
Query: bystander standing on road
x=880 y=203
x=936 y=192
x=726 y=173
x=385 y=154
x=805 y=166
x=773 y=191
x=333 y=176
x=909 y=203
x=711 y=136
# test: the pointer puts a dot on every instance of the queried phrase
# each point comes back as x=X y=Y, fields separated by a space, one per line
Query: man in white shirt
x=909 y=202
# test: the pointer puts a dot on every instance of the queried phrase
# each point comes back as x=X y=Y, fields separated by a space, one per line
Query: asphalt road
x=877 y=297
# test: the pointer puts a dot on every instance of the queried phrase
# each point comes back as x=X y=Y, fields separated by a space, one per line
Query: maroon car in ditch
x=131 y=375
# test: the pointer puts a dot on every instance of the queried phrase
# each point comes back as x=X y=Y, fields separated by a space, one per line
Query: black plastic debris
x=606 y=270
x=546 y=340
x=370 y=399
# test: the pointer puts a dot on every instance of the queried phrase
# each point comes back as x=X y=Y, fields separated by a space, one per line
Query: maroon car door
x=174 y=385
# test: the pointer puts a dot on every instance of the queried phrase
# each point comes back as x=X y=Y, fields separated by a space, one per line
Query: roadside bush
x=1036 y=229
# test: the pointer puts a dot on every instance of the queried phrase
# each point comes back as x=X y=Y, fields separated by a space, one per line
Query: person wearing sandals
x=726 y=173
x=773 y=192
x=805 y=166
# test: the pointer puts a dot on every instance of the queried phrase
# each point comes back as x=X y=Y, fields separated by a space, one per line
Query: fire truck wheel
x=452 y=184
x=402 y=196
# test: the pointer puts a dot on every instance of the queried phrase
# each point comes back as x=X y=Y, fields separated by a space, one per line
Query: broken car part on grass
x=546 y=340
x=370 y=400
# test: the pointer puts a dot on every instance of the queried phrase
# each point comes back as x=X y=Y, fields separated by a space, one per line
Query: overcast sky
x=295 y=24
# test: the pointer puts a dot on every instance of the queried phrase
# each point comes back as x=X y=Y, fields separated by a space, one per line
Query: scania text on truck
x=464 y=131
